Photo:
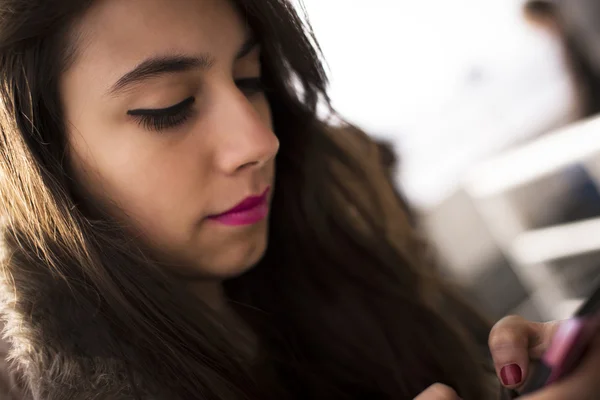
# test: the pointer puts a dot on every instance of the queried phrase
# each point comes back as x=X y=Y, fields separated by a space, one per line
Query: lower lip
x=247 y=217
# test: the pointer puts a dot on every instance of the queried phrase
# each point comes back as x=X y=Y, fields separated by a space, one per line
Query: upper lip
x=247 y=204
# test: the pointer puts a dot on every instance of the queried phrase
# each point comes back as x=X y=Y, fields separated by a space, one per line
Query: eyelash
x=251 y=86
x=164 y=118
x=175 y=115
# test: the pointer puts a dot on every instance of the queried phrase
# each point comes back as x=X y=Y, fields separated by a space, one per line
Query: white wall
x=448 y=81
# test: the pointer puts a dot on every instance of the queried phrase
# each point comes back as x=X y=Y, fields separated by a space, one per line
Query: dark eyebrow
x=161 y=65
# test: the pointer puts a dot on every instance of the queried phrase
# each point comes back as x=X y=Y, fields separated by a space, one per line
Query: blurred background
x=491 y=108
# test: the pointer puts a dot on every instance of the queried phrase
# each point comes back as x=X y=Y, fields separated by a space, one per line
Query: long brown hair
x=342 y=304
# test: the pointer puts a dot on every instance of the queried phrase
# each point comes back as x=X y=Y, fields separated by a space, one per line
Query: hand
x=515 y=341
x=438 y=392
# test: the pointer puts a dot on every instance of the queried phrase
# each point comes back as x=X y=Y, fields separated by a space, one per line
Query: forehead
x=115 y=35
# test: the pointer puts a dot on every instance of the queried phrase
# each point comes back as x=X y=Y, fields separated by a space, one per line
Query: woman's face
x=169 y=129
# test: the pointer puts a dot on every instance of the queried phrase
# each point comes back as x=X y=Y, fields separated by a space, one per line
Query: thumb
x=513 y=343
x=438 y=392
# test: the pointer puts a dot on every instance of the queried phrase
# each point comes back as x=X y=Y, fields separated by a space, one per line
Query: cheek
x=153 y=183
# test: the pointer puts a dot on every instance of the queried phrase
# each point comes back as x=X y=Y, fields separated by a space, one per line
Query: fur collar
x=60 y=349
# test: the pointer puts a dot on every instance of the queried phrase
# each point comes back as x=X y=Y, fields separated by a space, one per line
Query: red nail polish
x=511 y=375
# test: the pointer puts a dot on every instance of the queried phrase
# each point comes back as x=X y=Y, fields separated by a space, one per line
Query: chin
x=235 y=259
x=236 y=266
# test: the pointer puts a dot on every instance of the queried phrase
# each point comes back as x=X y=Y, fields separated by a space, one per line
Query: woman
x=140 y=190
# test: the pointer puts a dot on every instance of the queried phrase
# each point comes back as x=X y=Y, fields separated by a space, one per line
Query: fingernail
x=511 y=375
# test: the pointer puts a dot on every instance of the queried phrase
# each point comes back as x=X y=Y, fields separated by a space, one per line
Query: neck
x=211 y=292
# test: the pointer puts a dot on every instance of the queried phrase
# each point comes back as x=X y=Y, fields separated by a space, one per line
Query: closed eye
x=158 y=119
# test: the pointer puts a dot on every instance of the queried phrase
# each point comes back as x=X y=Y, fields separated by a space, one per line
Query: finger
x=438 y=392
x=513 y=342
x=582 y=384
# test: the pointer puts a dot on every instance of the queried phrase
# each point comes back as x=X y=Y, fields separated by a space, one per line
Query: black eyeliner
x=174 y=109
x=254 y=85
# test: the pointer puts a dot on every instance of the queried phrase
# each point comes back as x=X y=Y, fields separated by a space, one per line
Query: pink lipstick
x=249 y=211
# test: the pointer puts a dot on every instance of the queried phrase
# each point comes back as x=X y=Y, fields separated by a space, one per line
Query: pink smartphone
x=568 y=346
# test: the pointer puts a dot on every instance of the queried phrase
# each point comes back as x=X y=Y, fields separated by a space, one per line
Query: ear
x=542 y=13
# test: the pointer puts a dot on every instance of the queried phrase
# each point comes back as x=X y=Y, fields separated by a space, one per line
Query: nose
x=245 y=136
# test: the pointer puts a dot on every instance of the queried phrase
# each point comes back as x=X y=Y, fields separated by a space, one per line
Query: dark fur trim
x=60 y=348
